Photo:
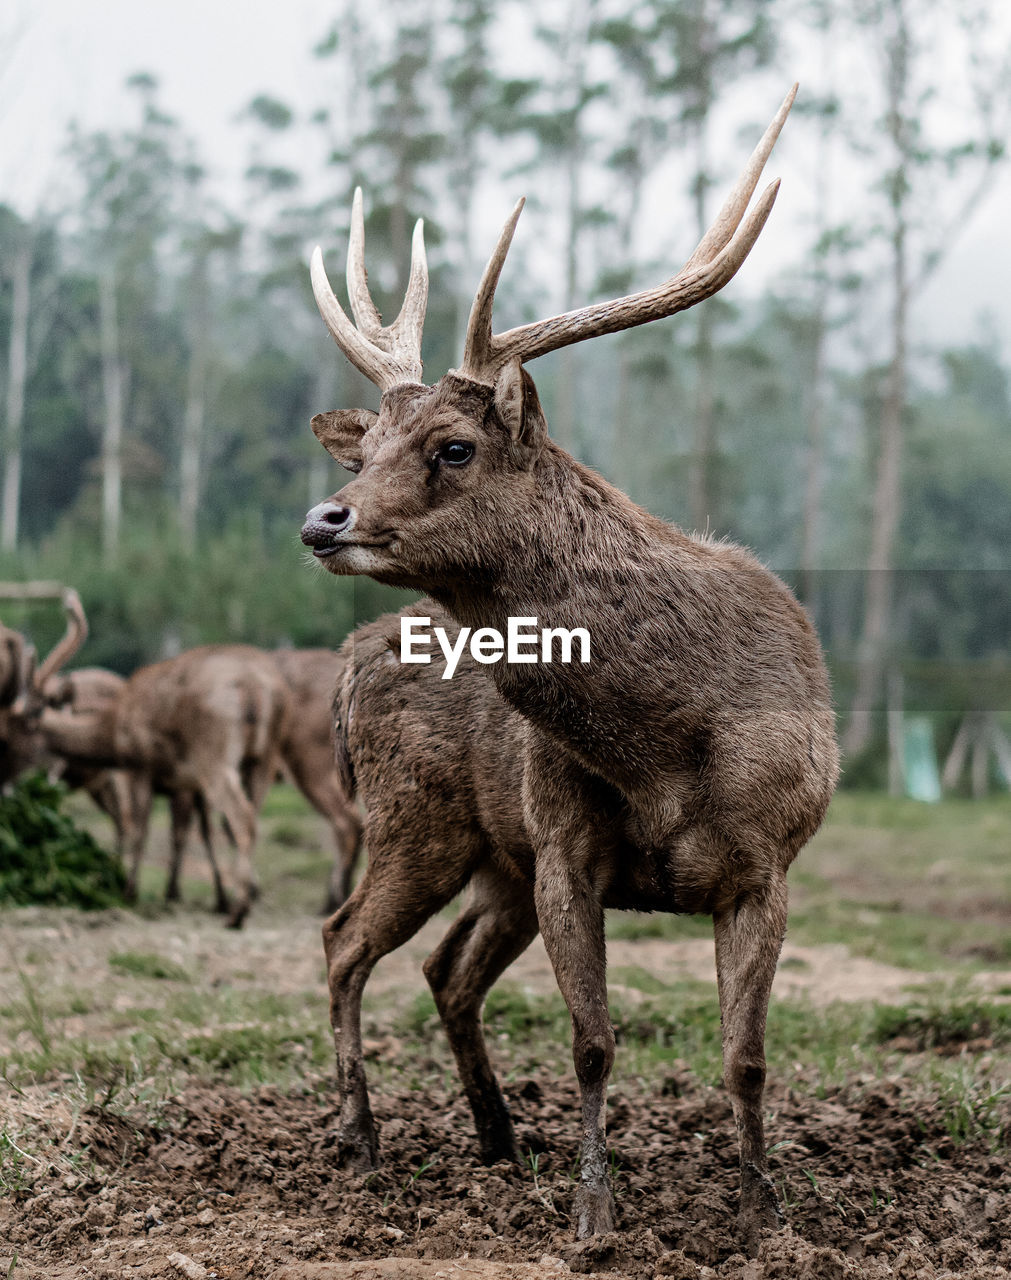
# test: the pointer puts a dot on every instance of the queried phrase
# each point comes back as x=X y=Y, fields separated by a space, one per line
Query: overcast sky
x=66 y=59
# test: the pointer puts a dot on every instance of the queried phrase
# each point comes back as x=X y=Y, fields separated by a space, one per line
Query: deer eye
x=456 y=452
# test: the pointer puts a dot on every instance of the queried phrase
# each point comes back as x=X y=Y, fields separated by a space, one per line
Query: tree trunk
x=17 y=372
x=703 y=480
x=112 y=431
x=885 y=511
x=196 y=400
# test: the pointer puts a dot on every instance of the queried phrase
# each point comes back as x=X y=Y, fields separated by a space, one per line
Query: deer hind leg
x=221 y=904
x=497 y=923
x=400 y=890
x=347 y=839
x=181 y=807
x=749 y=936
x=135 y=800
x=226 y=795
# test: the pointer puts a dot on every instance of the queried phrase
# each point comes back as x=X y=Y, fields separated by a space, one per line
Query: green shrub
x=45 y=858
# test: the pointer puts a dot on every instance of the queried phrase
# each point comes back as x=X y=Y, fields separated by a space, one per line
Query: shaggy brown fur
x=686 y=764
x=681 y=770
x=437 y=765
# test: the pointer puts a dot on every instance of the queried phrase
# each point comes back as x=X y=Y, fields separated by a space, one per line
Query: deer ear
x=339 y=431
x=519 y=410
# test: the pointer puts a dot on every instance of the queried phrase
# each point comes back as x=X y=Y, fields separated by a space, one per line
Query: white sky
x=211 y=56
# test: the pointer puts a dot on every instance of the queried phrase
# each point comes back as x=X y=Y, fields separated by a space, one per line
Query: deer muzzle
x=325 y=527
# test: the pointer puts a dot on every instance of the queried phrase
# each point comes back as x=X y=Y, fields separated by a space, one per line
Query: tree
x=919 y=223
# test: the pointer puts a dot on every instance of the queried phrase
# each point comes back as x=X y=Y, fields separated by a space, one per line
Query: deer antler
x=385 y=355
x=74 y=637
x=715 y=261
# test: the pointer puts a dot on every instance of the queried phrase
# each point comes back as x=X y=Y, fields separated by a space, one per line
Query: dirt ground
x=233 y=1184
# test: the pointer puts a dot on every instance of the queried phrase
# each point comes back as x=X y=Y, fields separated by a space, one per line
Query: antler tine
x=74 y=637
x=718 y=257
x=367 y=317
x=477 y=347
x=682 y=291
x=410 y=322
x=727 y=220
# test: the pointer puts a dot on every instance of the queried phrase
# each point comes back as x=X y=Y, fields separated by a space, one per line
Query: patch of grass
x=975 y=1109
x=145 y=964
x=941 y=1025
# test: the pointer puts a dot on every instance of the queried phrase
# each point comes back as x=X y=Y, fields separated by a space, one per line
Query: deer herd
x=680 y=769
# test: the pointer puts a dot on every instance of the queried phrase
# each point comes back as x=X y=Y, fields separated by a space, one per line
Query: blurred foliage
x=46 y=859
x=619 y=124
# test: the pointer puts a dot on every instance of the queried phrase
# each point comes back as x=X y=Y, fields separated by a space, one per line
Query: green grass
x=921 y=886
x=144 y=964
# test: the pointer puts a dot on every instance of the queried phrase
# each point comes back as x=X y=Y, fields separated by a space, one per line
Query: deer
x=307 y=751
x=443 y=811
x=123 y=794
x=684 y=767
x=205 y=728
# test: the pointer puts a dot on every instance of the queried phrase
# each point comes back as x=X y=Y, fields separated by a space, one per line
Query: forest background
x=160 y=352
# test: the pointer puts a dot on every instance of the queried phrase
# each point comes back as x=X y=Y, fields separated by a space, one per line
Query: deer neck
x=581 y=555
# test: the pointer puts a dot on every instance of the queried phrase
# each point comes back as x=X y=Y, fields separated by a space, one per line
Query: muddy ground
x=185 y=1176
x=231 y=1184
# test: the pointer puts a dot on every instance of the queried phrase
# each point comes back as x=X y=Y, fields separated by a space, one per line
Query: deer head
x=447 y=475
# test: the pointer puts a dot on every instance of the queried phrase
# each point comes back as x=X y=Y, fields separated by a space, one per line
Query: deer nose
x=325 y=523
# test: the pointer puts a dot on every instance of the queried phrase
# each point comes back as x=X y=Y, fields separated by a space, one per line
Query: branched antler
x=387 y=355
x=715 y=261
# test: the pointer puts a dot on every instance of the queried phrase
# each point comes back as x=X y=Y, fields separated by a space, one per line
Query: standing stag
x=684 y=767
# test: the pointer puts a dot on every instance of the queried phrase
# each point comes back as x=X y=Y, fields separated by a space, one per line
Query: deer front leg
x=181 y=806
x=572 y=867
x=497 y=923
x=402 y=887
x=749 y=936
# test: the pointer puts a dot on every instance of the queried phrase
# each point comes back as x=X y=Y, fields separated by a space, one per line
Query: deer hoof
x=759 y=1208
x=594 y=1211
x=358 y=1154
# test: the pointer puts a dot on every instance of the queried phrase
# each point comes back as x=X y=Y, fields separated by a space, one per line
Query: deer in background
x=205 y=728
x=22 y=744
x=307 y=751
x=686 y=765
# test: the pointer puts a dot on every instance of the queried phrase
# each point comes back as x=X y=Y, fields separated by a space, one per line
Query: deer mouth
x=323 y=553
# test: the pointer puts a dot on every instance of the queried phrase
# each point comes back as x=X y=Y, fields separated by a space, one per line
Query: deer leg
x=748 y=940
x=181 y=806
x=226 y=795
x=221 y=904
x=136 y=798
x=569 y=834
x=400 y=890
x=347 y=839
x=497 y=923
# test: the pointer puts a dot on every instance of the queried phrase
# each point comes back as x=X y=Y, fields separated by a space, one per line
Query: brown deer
x=684 y=766
x=205 y=728
x=443 y=810
x=307 y=751
x=124 y=794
